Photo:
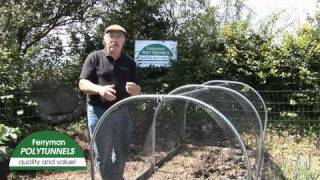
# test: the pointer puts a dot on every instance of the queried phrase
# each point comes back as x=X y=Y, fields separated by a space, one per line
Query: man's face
x=114 y=41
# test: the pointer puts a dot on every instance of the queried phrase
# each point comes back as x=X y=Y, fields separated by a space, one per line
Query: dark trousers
x=111 y=141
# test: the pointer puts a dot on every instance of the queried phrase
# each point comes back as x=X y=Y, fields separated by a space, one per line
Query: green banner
x=47 y=150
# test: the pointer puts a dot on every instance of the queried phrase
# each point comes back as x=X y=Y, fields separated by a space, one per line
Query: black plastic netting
x=168 y=137
x=239 y=110
x=251 y=94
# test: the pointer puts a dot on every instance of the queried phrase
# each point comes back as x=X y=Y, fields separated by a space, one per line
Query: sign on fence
x=155 y=53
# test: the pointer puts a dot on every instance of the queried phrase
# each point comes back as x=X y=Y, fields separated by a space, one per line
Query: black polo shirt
x=102 y=69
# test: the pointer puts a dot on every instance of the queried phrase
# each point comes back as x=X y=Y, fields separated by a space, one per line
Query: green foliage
x=8 y=136
x=305 y=169
x=199 y=36
x=30 y=49
x=247 y=57
x=10 y=65
x=154 y=79
x=24 y=23
x=232 y=52
x=298 y=59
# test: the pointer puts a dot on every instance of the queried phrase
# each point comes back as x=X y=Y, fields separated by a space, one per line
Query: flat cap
x=115 y=27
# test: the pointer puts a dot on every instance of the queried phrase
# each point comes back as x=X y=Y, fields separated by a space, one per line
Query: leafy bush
x=8 y=138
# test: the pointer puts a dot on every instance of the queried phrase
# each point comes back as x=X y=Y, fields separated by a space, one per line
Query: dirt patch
x=192 y=162
x=207 y=162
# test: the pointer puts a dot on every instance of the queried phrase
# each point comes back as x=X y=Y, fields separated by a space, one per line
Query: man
x=107 y=76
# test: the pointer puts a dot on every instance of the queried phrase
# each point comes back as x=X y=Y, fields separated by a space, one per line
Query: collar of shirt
x=110 y=58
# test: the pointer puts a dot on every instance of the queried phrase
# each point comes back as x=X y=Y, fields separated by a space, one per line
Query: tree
x=25 y=23
x=30 y=47
x=233 y=10
x=28 y=43
x=297 y=59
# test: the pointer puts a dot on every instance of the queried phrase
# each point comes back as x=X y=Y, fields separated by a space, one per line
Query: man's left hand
x=132 y=88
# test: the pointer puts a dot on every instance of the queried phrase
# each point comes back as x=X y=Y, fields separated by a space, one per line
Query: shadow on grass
x=271 y=170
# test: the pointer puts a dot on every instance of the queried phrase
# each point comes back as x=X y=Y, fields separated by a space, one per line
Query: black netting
x=123 y=137
x=238 y=110
x=171 y=137
x=251 y=94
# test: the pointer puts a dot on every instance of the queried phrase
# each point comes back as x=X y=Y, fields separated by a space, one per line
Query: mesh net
x=57 y=102
x=255 y=98
x=251 y=94
x=238 y=110
x=142 y=137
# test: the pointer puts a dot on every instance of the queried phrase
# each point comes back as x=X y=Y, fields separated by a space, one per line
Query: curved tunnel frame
x=238 y=96
x=251 y=88
x=226 y=82
x=162 y=99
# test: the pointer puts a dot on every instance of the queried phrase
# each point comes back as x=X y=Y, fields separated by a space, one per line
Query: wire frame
x=146 y=136
x=239 y=110
x=254 y=97
x=249 y=92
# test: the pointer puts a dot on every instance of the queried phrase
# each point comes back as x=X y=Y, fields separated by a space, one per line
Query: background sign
x=155 y=53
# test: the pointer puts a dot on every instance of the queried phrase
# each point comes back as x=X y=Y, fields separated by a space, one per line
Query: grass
x=306 y=169
x=298 y=156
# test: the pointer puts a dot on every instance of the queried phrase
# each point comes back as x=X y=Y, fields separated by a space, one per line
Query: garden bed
x=286 y=152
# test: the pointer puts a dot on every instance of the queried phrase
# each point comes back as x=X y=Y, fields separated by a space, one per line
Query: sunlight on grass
x=297 y=156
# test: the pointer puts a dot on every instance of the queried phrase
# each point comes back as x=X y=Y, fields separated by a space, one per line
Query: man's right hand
x=108 y=92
